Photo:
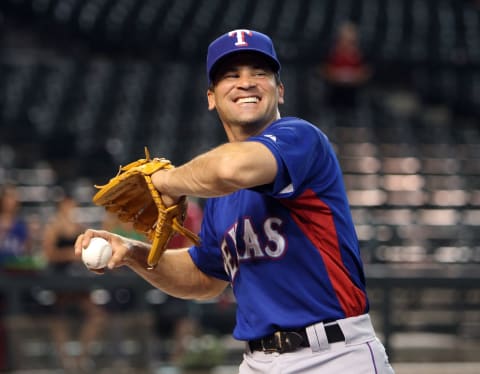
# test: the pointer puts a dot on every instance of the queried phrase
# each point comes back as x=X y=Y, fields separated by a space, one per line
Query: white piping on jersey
x=287 y=189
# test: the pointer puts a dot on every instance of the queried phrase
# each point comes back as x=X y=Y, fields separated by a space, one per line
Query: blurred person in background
x=59 y=238
x=176 y=319
x=345 y=69
x=111 y=223
x=14 y=236
x=14 y=244
x=193 y=221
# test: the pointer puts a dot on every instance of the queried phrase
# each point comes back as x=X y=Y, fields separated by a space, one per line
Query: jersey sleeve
x=207 y=256
x=301 y=150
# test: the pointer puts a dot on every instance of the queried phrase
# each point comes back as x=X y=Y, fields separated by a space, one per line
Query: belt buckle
x=275 y=343
x=283 y=342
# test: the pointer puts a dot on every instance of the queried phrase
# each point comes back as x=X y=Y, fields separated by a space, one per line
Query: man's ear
x=281 y=93
x=211 y=99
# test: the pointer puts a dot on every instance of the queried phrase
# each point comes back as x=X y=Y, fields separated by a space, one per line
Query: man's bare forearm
x=221 y=171
x=175 y=274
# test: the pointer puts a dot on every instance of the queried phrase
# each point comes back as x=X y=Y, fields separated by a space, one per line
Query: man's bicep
x=261 y=164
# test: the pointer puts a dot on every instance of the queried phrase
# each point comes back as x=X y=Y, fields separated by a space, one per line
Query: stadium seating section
x=86 y=84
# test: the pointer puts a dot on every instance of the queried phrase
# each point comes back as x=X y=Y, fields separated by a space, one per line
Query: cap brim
x=221 y=58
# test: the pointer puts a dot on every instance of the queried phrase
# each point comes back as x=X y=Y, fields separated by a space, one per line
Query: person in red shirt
x=345 y=69
x=193 y=221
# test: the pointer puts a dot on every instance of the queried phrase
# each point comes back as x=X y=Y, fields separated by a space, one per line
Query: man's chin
x=253 y=124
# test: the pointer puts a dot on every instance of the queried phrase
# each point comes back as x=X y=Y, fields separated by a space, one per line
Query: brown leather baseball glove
x=132 y=197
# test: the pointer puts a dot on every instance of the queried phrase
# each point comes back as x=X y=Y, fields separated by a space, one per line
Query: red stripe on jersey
x=315 y=219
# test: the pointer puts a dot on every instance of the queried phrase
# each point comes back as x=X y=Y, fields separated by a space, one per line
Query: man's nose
x=246 y=81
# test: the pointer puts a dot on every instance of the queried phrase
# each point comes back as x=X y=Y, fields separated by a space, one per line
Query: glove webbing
x=165 y=214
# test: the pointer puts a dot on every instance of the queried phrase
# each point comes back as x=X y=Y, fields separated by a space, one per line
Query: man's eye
x=261 y=73
x=230 y=75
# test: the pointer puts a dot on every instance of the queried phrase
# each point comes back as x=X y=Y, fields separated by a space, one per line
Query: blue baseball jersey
x=289 y=249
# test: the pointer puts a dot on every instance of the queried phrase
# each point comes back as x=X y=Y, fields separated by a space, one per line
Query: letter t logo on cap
x=240 y=40
x=240 y=34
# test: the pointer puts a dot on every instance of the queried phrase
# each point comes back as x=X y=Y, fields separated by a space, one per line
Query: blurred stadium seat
x=122 y=74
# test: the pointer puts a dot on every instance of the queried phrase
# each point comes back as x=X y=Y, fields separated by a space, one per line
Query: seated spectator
x=14 y=236
x=60 y=234
x=14 y=244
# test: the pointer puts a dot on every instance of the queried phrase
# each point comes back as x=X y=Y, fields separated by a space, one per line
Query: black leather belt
x=289 y=341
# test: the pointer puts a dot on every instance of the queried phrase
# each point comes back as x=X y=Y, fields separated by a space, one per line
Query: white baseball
x=97 y=254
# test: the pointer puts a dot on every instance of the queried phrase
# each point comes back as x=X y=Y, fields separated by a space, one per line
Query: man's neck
x=243 y=132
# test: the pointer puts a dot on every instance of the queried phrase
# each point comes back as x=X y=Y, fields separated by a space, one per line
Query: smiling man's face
x=245 y=92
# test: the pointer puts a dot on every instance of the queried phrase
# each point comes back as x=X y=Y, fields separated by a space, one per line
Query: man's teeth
x=248 y=100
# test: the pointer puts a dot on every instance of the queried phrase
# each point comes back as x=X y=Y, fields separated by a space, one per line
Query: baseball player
x=277 y=227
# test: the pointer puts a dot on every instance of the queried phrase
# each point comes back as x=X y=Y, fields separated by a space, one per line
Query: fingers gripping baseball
x=120 y=248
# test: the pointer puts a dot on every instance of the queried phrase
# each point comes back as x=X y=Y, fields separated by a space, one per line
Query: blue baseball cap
x=240 y=40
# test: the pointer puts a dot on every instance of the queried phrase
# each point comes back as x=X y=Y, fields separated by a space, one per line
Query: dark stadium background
x=86 y=84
